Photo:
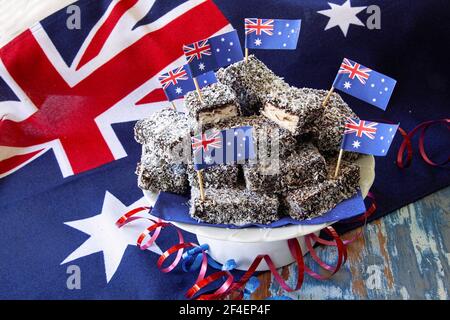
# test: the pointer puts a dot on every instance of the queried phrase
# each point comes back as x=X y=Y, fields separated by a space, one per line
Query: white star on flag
x=208 y=159
x=106 y=237
x=178 y=90
x=347 y=85
x=201 y=66
x=258 y=42
x=342 y=16
x=356 y=144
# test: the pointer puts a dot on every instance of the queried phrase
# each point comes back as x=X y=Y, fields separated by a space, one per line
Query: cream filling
x=281 y=117
x=216 y=115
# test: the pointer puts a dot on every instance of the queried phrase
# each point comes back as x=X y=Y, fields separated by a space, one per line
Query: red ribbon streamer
x=234 y=289
x=406 y=144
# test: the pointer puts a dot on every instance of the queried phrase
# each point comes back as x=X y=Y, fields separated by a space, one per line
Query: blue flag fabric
x=176 y=83
x=221 y=147
x=213 y=53
x=272 y=33
x=365 y=84
x=368 y=137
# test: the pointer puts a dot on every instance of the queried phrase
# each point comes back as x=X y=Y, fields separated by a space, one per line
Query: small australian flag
x=364 y=83
x=213 y=53
x=271 y=33
x=368 y=137
x=176 y=83
x=223 y=147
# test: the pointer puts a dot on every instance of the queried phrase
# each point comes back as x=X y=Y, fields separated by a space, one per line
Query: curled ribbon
x=194 y=257
x=406 y=145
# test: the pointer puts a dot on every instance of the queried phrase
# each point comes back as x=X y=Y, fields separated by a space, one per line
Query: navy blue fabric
x=174 y=207
x=36 y=201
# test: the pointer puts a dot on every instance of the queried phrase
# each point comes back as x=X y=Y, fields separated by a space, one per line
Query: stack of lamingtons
x=292 y=175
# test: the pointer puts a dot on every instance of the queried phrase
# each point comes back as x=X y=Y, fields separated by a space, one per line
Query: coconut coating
x=316 y=199
x=328 y=128
x=303 y=166
x=215 y=97
x=262 y=176
x=163 y=177
x=252 y=81
x=166 y=133
x=269 y=139
x=217 y=177
x=234 y=206
x=293 y=109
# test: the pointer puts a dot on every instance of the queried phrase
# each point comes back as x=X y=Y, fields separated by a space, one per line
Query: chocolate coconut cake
x=251 y=81
x=295 y=137
x=218 y=102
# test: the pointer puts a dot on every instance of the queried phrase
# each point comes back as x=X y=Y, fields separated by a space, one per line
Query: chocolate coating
x=234 y=206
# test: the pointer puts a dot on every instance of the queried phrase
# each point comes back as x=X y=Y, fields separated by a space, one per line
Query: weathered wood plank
x=404 y=255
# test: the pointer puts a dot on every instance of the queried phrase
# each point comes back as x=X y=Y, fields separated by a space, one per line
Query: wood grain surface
x=404 y=255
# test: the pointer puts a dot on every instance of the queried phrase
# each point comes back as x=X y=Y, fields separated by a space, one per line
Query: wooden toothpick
x=325 y=102
x=246 y=55
x=338 y=164
x=173 y=105
x=200 y=184
x=197 y=88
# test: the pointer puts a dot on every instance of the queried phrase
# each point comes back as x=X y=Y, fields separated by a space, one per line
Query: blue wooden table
x=404 y=255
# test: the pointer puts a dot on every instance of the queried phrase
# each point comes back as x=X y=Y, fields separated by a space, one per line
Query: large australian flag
x=213 y=53
x=363 y=83
x=271 y=33
x=221 y=147
x=368 y=137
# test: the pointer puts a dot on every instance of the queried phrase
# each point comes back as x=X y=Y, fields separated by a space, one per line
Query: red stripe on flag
x=104 y=31
x=156 y=95
x=13 y=162
x=68 y=113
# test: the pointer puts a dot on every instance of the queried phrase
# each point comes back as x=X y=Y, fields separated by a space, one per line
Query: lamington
x=293 y=109
x=252 y=81
x=163 y=177
x=269 y=139
x=303 y=166
x=316 y=199
x=219 y=103
x=166 y=133
x=234 y=206
x=217 y=177
x=262 y=176
x=328 y=128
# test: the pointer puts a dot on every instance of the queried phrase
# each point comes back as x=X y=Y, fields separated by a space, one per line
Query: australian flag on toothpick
x=221 y=147
x=271 y=33
x=364 y=83
x=213 y=53
x=176 y=83
x=368 y=137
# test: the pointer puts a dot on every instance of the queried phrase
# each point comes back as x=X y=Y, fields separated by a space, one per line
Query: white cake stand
x=243 y=245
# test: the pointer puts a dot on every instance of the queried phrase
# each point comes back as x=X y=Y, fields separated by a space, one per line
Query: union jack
x=66 y=88
x=259 y=26
x=354 y=70
x=361 y=128
x=197 y=49
x=172 y=77
x=207 y=140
